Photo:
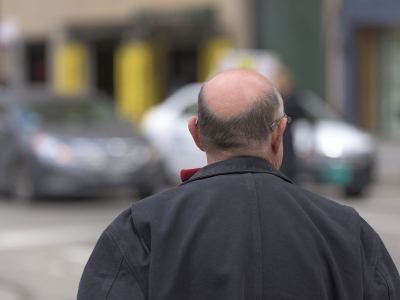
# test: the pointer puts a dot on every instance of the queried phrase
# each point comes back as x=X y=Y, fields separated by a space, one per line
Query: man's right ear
x=277 y=135
x=194 y=131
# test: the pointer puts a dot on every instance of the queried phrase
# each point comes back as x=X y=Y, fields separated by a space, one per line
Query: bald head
x=235 y=91
x=236 y=110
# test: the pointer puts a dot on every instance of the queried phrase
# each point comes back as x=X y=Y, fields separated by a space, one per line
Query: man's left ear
x=278 y=132
x=194 y=131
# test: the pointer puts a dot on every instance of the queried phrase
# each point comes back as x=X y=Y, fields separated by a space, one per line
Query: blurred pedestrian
x=238 y=228
x=286 y=87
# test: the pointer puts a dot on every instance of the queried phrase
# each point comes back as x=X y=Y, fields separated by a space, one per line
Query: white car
x=327 y=148
x=166 y=125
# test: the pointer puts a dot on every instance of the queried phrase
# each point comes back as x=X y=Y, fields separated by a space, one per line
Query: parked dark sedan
x=72 y=147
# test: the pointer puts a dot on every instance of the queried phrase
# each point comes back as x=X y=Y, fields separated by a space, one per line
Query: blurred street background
x=95 y=96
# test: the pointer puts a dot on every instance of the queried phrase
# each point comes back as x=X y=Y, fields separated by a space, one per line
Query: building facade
x=371 y=47
x=294 y=30
x=137 y=51
x=347 y=51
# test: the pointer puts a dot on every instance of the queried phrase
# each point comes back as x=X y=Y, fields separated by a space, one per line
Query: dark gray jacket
x=239 y=229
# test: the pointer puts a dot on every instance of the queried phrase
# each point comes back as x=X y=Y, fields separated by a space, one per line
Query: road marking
x=17 y=239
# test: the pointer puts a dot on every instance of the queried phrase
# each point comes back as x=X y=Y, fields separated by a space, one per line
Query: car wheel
x=354 y=190
x=21 y=186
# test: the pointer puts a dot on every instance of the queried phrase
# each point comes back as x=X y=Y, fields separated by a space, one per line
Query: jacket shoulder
x=303 y=197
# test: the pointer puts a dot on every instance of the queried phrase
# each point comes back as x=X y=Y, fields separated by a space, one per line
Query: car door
x=185 y=154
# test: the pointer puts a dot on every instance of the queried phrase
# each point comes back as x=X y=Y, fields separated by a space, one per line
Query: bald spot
x=235 y=91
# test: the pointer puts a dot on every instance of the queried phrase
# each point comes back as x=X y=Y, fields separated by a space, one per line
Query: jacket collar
x=243 y=164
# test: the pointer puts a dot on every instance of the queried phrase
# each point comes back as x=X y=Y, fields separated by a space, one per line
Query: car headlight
x=51 y=150
x=331 y=145
x=142 y=154
x=117 y=147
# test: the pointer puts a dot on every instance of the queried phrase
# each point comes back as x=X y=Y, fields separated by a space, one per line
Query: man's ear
x=277 y=135
x=194 y=131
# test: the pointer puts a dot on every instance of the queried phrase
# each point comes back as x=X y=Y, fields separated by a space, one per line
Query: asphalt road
x=44 y=246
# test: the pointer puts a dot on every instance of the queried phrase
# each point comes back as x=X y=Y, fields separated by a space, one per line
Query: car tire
x=21 y=187
x=362 y=180
x=354 y=190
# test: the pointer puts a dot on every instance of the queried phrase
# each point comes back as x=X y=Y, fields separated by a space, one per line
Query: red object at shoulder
x=186 y=174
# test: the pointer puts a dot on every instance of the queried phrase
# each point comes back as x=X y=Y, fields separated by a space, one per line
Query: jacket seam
x=132 y=266
x=105 y=289
x=257 y=236
x=141 y=236
x=115 y=277
x=384 y=277
x=374 y=263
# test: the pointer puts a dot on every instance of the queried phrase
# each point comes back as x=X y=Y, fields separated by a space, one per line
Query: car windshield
x=316 y=108
x=55 y=113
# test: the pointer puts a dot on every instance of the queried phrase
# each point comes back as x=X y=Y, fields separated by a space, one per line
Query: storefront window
x=36 y=62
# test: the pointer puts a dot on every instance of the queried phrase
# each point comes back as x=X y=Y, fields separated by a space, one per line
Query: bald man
x=238 y=228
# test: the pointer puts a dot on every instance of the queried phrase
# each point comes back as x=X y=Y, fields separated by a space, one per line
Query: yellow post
x=134 y=80
x=208 y=55
x=71 y=69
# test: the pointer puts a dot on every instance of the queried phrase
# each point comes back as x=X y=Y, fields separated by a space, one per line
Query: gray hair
x=248 y=131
